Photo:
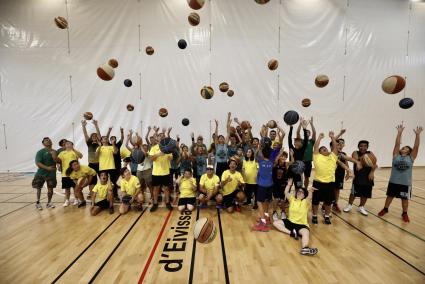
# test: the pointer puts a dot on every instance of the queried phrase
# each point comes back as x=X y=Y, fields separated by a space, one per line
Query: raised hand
x=400 y=128
x=331 y=134
x=321 y=136
x=304 y=123
x=192 y=135
x=95 y=122
x=83 y=123
x=418 y=130
x=216 y=122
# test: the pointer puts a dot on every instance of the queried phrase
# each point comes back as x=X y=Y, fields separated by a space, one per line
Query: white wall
x=35 y=67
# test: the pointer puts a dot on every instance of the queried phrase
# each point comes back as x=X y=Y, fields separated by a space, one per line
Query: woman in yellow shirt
x=105 y=154
x=102 y=197
x=208 y=186
x=131 y=191
x=249 y=173
x=82 y=176
x=187 y=187
x=296 y=224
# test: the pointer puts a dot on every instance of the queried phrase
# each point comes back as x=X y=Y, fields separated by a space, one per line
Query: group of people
x=236 y=169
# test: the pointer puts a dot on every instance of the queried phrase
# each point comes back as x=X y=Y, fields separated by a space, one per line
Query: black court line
x=84 y=251
x=404 y=230
x=223 y=250
x=192 y=262
x=17 y=209
x=26 y=202
x=383 y=246
x=20 y=194
x=116 y=247
x=414 y=201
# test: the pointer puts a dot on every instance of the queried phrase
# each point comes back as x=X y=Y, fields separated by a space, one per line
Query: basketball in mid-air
x=204 y=230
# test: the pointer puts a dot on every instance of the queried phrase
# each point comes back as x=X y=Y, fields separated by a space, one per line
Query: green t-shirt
x=43 y=156
x=308 y=153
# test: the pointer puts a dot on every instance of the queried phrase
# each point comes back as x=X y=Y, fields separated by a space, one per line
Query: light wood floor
x=69 y=245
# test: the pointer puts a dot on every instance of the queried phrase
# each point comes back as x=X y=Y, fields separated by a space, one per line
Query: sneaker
x=38 y=206
x=405 y=217
x=82 y=204
x=314 y=220
x=255 y=207
x=275 y=216
x=50 y=205
x=348 y=208
x=237 y=208
x=169 y=207
x=383 y=212
x=111 y=210
x=309 y=251
x=327 y=220
x=261 y=227
x=154 y=207
x=76 y=202
x=336 y=208
x=294 y=234
x=362 y=210
x=66 y=203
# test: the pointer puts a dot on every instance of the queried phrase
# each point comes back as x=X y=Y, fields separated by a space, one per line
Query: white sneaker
x=38 y=206
x=275 y=216
x=348 y=208
x=66 y=204
x=50 y=205
x=75 y=202
x=362 y=210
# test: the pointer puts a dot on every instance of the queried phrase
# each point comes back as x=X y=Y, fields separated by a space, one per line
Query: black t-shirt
x=117 y=156
x=280 y=175
x=340 y=171
x=361 y=177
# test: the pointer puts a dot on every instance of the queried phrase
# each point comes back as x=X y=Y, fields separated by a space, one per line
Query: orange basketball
x=245 y=124
x=105 y=72
x=163 y=112
x=88 y=115
x=393 y=84
x=149 y=50
x=262 y=1
x=207 y=92
x=306 y=102
x=368 y=160
x=224 y=87
x=321 y=80
x=272 y=124
x=130 y=107
x=61 y=22
x=194 y=19
x=230 y=93
x=273 y=64
x=113 y=63
x=204 y=230
x=196 y=4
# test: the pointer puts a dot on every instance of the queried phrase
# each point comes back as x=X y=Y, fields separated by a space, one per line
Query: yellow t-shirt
x=250 y=170
x=101 y=191
x=106 y=158
x=161 y=166
x=185 y=187
x=66 y=157
x=231 y=186
x=130 y=187
x=83 y=172
x=124 y=153
x=324 y=167
x=298 y=210
x=209 y=183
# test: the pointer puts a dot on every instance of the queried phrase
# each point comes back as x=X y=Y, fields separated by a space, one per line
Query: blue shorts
x=264 y=193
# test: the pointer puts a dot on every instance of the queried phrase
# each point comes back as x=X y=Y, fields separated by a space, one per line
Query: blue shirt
x=401 y=171
x=265 y=173
x=221 y=153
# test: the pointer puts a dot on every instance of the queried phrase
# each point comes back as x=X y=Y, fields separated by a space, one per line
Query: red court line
x=145 y=270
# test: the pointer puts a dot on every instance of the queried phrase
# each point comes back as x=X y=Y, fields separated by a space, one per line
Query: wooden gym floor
x=67 y=245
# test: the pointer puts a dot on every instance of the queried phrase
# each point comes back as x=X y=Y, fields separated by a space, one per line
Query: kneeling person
x=131 y=191
x=208 y=186
x=102 y=195
x=232 y=182
x=187 y=187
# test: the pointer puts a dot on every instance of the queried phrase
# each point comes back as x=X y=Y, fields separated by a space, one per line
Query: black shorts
x=307 y=169
x=279 y=191
x=67 y=182
x=187 y=200
x=338 y=184
x=175 y=173
x=291 y=226
x=38 y=182
x=362 y=190
x=104 y=204
x=399 y=191
x=161 y=180
x=220 y=168
x=264 y=193
x=229 y=200
x=113 y=175
x=324 y=192
x=250 y=189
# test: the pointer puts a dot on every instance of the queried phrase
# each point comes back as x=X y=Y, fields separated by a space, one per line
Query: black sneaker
x=154 y=207
x=82 y=204
x=111 y=210
x=308 y=251
x=169 y=207
x=327 y=220
x=314 y=220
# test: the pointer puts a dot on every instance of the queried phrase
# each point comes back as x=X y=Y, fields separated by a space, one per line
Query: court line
x=192 y=262
x=17 y=209
x=145 y=269
x=5 y=201
x=117 y=246
x=380 y=189
x=223 y=250
x=92 y=242
x=383 y=246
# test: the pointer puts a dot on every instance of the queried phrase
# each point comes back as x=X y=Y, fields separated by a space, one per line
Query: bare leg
x=155 y=194
x=351 y=199
x=363 y=201
x=315 y=209
x=166 y=194
x=389 y=200
x=67 y=193
x=279 y=225
x=38 y=194
x=305 y=237
x=49 y=194
x=404 y=204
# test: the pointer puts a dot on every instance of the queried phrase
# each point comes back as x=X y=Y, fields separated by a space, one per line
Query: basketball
x=291 y=117
x=306 y=102
x=230 y=93
x=185 y=122
x=224 y=87
x=105 y=72
x=196 y=4
x=163 y=112
x=406 y=103
x=393 y=84
x=61 y=22
x=297 y=167
x=262 y=1
x=321 y=81
x=194 y=19
x=167 y=145
x=273 y=64
x=207 y=92
x=204 y=230
x=272 y=124
x=182 y=44
x=113 y=63
x=236 y=159
x=368 y=160
x=130 y=107
x=137 y=156
x=245 y=124
x=128 y=83
x=149 y=50
x=88 y=115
